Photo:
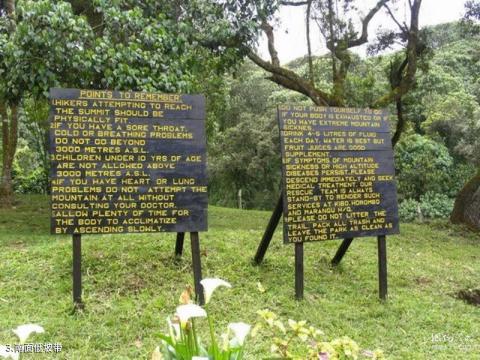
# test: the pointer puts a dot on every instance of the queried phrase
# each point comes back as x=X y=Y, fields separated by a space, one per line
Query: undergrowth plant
x=183 y=342
x=296 y=340
x=23 y=332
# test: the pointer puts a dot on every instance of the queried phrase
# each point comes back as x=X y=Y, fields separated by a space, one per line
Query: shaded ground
x=471 y=296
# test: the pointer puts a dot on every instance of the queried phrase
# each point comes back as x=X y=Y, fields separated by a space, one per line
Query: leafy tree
x=34 y=129
x=454 y=119
x=416 y=152
x=122 y=45
x=138 y=52
x=335 y=20
x=40 y=43
x=244 y=142
x=467 y=203
x=324 y=80
x=246 y=157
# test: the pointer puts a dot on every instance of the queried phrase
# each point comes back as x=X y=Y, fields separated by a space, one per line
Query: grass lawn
x=131 y=284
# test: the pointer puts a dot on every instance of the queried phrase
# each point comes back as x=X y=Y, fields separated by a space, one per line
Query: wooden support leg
x=341 y=251
x=299 y=271
x=197 y=267
x=77 y=271
x=179 y=244
x=267 y=236
x=382 y=267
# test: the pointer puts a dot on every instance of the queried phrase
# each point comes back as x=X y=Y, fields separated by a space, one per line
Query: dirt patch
x=470 y=296
x=133 y=284
x=422 y=280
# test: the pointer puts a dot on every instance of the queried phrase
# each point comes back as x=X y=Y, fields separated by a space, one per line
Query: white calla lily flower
x=240 y=331
x=24 y=331
x=209 y=286
x=185 y=312
x=4 y=353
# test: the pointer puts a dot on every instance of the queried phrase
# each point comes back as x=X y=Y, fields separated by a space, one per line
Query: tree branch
x=290 y=80
x=400 y=123
x=293 y=3
x=407 y=80
x=309 y=45
x=403 y=28
x=364 y=36
x=268 y=30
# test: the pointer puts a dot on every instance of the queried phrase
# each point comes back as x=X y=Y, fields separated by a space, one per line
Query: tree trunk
x=400 y=123
x=467 y=204
x=10 y=7
x=6 y=188
x=9 y=147
x=9 y=132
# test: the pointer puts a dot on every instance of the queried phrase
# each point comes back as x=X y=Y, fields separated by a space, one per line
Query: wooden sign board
x=338 y=173
x=127 y=162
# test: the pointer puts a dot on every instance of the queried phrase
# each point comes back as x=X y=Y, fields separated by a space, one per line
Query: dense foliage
x=121 y=45
x=154 y=46
x=436 y=156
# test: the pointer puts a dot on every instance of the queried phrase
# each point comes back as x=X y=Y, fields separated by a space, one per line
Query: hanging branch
x=365 y=22
x=407 y=79
x=290 y=80
x=400 y=123
x=268 y=30
x=341 y=57
x=283 y=76
x=403 y=27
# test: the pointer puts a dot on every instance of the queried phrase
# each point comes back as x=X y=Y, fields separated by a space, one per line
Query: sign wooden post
x=338 y=182
x=196 y=261
x=382 y=267
x=179 y=244
x=299 y=271
x=77 y=271
x=197 y=267
x=267 y=236
x=127 y=162
x=341 y=251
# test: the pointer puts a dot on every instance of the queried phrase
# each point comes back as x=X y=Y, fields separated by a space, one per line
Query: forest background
x=437 y=144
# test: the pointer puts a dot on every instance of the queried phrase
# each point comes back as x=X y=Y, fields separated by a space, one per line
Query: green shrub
x=422 y=165
x=28 y=173
x=408 y=210
x=460 y=175
x=435 y=206
x=430 y=206
x=35 y=182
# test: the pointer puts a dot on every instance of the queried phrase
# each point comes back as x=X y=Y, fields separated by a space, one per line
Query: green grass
x=131 y=284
